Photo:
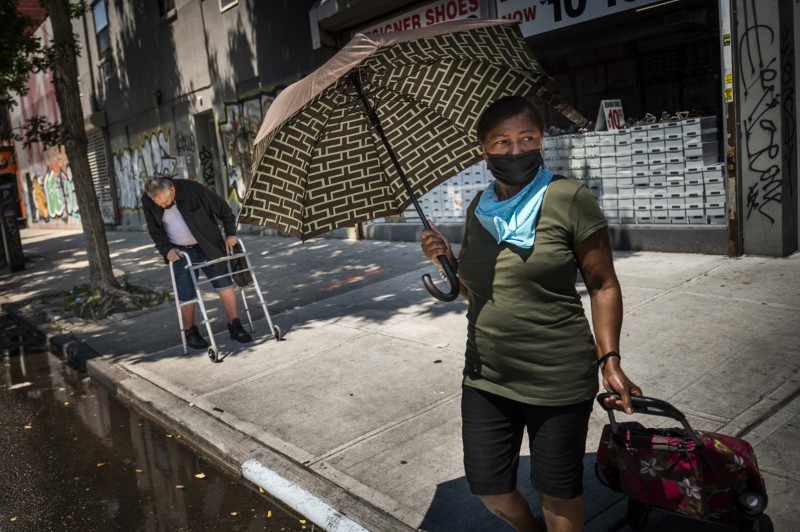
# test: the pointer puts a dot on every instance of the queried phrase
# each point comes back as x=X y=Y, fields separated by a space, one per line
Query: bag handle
x=653 y=407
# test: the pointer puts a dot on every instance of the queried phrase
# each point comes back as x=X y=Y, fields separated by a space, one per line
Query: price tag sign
x=610 y=116
x=540 y=16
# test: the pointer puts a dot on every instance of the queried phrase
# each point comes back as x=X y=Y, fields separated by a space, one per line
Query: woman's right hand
x=434 y=244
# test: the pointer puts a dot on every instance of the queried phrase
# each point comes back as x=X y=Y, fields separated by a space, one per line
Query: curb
x=67 y=345
x=235 y=452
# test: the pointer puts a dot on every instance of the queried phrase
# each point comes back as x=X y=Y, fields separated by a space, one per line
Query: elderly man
x=182 y=219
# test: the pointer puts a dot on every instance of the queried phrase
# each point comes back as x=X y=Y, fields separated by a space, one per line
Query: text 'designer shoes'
x=238 y=333
x=193 y=338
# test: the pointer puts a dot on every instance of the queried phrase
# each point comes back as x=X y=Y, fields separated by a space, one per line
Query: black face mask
x=516 y=169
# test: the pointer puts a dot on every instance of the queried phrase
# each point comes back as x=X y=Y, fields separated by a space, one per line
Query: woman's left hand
x=615 y=381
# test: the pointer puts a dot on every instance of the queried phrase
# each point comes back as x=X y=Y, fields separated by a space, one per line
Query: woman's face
x=516 y=135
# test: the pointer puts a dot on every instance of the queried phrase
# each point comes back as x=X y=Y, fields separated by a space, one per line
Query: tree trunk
x=73 y=136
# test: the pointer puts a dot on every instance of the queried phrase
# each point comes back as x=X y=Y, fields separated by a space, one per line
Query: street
x=76 y=459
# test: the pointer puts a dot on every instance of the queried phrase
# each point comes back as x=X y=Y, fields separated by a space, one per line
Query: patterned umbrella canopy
x=336 y=147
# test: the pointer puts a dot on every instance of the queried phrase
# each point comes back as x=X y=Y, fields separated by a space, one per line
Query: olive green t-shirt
x=528 y=336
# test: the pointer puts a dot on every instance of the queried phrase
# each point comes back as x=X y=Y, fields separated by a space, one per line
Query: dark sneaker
x=193 y=338
x=238 y=333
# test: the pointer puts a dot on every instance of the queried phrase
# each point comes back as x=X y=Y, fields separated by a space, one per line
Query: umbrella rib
x=418 y=102
x=317 y=139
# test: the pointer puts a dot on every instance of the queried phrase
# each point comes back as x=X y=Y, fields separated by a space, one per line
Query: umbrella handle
x=455 y=286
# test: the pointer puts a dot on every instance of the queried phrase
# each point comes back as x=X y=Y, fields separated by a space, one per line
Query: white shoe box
x=695 y=190
x=638 y=134
x=606 y=138
x=659 y=204
x=608 y=149
x=622 y=137
x=655 y=132
x=693 y=177
x=673 y=130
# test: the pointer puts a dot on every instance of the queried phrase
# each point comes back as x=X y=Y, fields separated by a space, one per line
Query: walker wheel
x=278 y=333
x=212 y=354
x=637 y=514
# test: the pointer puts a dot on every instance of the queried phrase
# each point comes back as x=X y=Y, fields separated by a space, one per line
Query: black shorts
x=492 y=430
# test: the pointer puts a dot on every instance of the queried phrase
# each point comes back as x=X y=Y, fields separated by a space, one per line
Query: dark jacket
x=201 y=208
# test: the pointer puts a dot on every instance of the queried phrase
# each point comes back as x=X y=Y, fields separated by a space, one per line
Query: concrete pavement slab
x=773 y=281
x=662 y=271
x=345 y=392
x=679 y=338
x=197 y=375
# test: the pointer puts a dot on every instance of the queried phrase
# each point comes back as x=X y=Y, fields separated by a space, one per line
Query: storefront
x=667 y=179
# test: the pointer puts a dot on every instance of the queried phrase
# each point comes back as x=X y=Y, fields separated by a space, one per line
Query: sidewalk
x=359 y=405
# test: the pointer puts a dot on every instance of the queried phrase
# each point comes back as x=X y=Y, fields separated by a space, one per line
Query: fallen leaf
x=66 y=403
x=234 y=513
x=127 y=461
x=13 y=519
x=100 y=464
x=200 y=475
x=28 y=426
x=302 y=521
x=269 y=513
x=138 y=470
x=260 y=489
x=169 y=435
x=179 y=486
x=191 y=404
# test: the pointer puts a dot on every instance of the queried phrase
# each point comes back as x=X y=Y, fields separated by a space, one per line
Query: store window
x=101 y=27
x=660 y=64
x=657 y=60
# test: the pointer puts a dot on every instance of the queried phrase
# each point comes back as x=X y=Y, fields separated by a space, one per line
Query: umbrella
x=385 y=120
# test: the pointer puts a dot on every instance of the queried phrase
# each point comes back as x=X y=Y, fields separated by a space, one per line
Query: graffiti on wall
x=761 y=113
x=238 y=131
x=207 y=166
x=49 y=193
x=45 y=178
x=132 y=165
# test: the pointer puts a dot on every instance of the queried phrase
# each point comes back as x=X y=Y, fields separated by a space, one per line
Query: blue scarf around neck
x=514 y=220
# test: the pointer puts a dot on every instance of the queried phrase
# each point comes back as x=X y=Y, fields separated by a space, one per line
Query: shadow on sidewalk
x=454 y=508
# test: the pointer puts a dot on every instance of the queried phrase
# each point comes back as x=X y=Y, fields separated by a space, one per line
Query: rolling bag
x=699 y=474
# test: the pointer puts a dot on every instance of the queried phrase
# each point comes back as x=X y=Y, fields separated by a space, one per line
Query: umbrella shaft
x=373 y=118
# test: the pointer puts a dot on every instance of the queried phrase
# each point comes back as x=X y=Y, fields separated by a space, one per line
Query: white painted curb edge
x=298 y=499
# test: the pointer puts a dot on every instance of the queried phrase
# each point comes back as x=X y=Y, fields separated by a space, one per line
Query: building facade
x=708 y=164
x=169 y=87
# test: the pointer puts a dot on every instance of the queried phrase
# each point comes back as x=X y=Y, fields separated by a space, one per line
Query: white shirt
x=177 y=230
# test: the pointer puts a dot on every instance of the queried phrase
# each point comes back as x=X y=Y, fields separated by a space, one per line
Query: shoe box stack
x=449 y=201
x=662 y=173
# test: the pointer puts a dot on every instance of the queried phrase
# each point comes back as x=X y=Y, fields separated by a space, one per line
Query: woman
x=531 y=359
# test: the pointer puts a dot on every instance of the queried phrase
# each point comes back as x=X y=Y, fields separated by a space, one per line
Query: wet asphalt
x=75 y=458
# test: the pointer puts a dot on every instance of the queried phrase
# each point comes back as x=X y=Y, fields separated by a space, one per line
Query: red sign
x=427 y=16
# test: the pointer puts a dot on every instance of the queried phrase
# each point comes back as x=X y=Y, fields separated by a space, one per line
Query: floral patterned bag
x=700 y=474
